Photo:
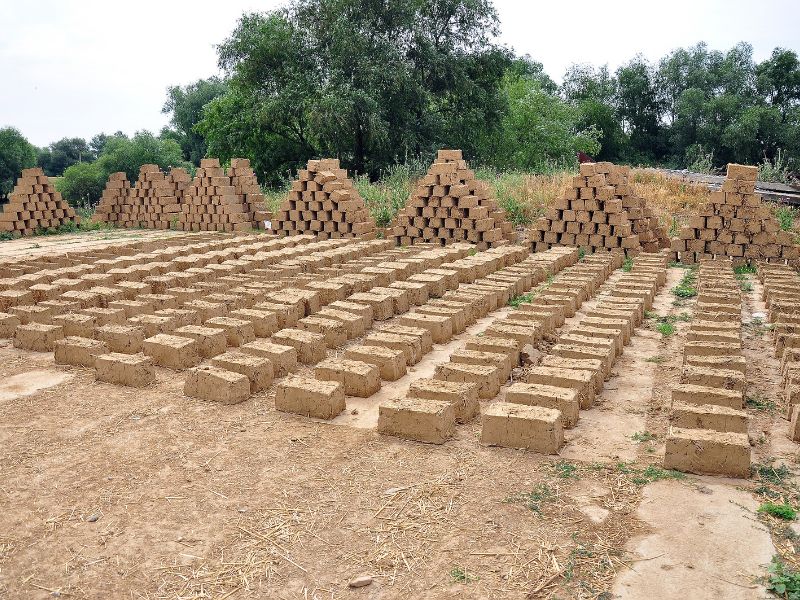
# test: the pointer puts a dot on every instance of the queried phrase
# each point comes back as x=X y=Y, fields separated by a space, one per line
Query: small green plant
x=768 y=473
x=780 y=511
x=782 y=581
x=776 y=170
x=684 y=317
x=686 y=287
x=666 y=329
x=5 y=236
x=746 y=269
x=643 y=436
x=745 y=286
x=521 y=299
x=534 y=500
x=674 y=228
x=460 y=575
x=655 y=359
x=653 y=473
x=581 y=253
x=758 y=402
x=649 y=314
x=566 y=470
x=627 y=266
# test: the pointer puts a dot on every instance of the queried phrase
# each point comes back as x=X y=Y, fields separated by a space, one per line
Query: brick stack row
x=735 y=223
x=600 y=211
x=33 y=204
x=220 y=201
x=111 y=208
x=154 y=201
x=449 y=204
x=324 y=201
x=708 y=426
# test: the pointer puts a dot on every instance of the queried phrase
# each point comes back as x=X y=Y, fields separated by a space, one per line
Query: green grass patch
x=666 y=329
x=566 y=470
x=656 y=359
x=745 y=269
x=521 y=299
x=780 y=511
x=758 y=402
x=460 y=575
x=627 y=266
x=643 y=436
x=535 y=499
x=686 y=288
x=768 y=473
x=649 y=474
x=782 y=581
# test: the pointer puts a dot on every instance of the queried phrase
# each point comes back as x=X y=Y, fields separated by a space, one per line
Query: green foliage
x=566 y=470
x=123 y=154
x=541 y=494
x=777 y=476
x=390 y=193
x=581 y=253
x=16 y=153
x=627 y=266
x=776 y=170
x=460 y=575
x=82 y=184
x=686 y=289
x=779 y=511
x=643 y=436
x=785 y=216
x=60 y=155
x=782 y=580
x=758 y=402
x=746 y=268
x=185 y=105
x=665 y=329
x=655 y=359
x=700 y=161
x=649 y=474
x=521 y=299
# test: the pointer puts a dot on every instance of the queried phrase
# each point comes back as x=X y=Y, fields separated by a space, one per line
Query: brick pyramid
x=449 y=204
x=34 y=203
x=110 y=209
x=324 y=201
x=219 y=201
x=735 y=223
x=600 y=211
x=154 y=201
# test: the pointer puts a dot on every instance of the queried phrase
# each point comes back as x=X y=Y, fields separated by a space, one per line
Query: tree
x=186 y=104
x=639 y=110
x=98 y=142
x=82 y=184
x=123 y=154
x=59 y=155
x=16 y=153
x=370 y=83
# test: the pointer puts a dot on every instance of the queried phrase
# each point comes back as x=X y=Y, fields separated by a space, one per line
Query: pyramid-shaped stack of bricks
x=154 y=202
x=449 y=204
x=216 y=201
x=324 y=201
x=33 y=204
x=600 y=211
x=737 y=224
x=110 y=209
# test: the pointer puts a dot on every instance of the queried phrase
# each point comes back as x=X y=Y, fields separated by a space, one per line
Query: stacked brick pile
x=154 y=201
x=110 y=209
x=449 y=204
x=323 y=201
x=782 y=297
x=708 y=426
x=34 y=203
x=735 y=223
x=600 y=211
x=219 y=201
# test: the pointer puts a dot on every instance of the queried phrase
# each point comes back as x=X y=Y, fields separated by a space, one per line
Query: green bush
x=82 y=184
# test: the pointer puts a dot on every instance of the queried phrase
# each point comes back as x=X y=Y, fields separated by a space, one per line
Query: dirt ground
x=107 y=492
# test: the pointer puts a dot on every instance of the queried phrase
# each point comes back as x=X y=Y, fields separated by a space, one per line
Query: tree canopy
x=16 y=153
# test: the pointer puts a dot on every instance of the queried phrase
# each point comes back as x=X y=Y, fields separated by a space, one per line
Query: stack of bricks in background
x=154 y=201
x=216 y=201
x=449 y=204
x=708 y=426
x=110 y=209
x=737 y=224
x=600 y=211
x=33 y=204
x=782 y=297
x=323 y=201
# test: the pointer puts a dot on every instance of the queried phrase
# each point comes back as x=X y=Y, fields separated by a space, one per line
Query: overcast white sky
x=79 y=67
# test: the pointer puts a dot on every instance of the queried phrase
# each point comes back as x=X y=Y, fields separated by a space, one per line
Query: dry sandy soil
x=108 y=492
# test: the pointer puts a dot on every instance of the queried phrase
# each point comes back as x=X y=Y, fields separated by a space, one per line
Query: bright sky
x=79 y=67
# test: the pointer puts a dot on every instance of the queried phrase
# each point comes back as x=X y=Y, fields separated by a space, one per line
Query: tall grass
x=525 y=196
x=776 y=170
x=389 y=194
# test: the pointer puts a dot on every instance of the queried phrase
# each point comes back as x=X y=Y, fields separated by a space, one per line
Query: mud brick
x=409 y=345
x=440 y=326
x=437 y=284
x=264 y=323
x=463 y=396
x=707 y=452
x=567 y=303
x=381 y=304
x=283 y=358
x=333 y=331
x=9 y=298
x=32 y=314
x=285 y=315
x=623 y=325
x=616 y=335
x=359 y=378
x=133 y=370
x=211 y=341
x=78 y=351
x=390 y=362
x=132 y=308
x=708 y=416
x=423 y=335
x=713 y=336
x=8 y=323
x=310 y=346
x=700 y=325
x=121 y=339
x=216 y=384
x=419 y=419
x=106 y=316
x=717 y=378
x=794 y=424
x=153 y=324
x=310 y=397
x=172 y=351
x=417 y=292
x=182 y=317
x=698 y=394
x=488 y=343
x=83 y=298
x=476 y=357
x=514 y=331
x=565 y=400
x=258 y=370
x=363 y=310
x=132 y=289
x=486 y=377
x=38 y=337
x=555 y=312
x=353 y=324
x=237 y=331
x=543 y=320
x=519 y=426
x=594 y=365
x=579 y=380
x=571 y=339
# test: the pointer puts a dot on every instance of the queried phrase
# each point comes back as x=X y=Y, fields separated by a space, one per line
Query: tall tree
x=185 y=105
x=61 y=154
x=123 y=154
x=16 y=153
